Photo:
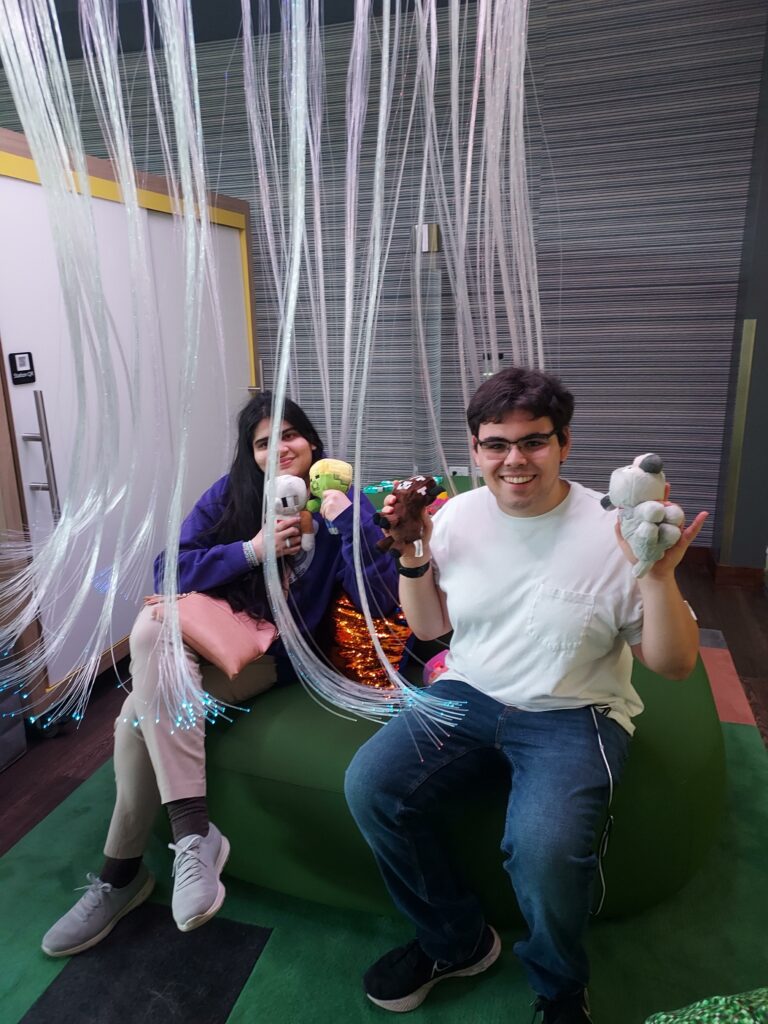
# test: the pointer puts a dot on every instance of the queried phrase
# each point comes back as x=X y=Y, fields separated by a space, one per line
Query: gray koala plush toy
x=648 y=525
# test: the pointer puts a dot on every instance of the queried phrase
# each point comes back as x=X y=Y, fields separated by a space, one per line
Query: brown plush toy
x=412 y=497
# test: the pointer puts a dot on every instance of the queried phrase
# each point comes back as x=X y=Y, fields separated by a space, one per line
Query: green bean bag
x=275 y=787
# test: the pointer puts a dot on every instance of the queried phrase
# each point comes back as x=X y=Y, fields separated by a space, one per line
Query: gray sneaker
x=95 y=914
x=197 y=891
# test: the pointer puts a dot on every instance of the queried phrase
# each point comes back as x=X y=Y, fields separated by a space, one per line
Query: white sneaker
x=95 y=914
x=197 y=892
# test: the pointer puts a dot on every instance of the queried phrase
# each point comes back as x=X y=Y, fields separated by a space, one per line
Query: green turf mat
x=707 y=940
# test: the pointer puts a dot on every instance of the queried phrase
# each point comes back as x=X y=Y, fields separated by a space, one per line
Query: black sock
x=188 y=817
x=120 y=871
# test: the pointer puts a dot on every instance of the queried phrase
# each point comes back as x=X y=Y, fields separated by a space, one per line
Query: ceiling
x=213 y=19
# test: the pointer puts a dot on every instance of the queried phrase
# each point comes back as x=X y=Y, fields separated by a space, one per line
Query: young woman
x=221 y=553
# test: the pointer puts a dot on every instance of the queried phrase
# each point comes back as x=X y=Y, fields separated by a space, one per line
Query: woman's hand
x=287 y=539
x=333 y=504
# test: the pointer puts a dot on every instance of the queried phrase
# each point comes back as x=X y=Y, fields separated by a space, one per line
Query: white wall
x=32 y=318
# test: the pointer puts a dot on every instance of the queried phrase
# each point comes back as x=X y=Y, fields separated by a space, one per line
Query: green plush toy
x=327 y=475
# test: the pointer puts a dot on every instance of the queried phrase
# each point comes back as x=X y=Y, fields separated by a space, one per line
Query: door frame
x=13 y=512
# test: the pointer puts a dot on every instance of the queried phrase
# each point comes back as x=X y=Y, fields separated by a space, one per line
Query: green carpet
x=710 y=939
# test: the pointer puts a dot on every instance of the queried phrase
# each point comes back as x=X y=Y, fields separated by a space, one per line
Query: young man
x=533 y=578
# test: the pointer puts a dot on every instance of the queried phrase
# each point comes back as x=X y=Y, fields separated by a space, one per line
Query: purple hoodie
x=204 y=565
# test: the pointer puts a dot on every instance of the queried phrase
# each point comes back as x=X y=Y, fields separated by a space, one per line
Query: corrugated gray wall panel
x=649 y=114
x=640 y=140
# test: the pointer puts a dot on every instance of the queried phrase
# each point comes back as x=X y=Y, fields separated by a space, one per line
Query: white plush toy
x=290 y=500
x=648 y=525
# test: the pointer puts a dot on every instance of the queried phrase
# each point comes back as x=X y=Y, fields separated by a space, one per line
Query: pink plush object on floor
x=434 y=668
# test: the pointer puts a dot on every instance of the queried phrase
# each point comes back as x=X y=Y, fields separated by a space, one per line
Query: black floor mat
x=148 y=972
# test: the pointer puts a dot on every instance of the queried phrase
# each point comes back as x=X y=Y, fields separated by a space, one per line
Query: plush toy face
x=290 y=495
x=643 y=481
x=329 y=475
x=416 y=493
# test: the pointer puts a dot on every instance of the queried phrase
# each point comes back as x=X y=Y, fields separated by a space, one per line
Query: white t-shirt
x=542 y=607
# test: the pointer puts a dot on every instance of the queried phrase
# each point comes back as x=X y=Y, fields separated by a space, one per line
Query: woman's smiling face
x=295 y=453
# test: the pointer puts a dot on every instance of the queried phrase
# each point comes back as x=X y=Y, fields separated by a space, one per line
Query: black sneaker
x=401 y=980
x=566 y=1010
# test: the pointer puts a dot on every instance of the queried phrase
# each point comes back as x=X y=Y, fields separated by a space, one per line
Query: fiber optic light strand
x=478 y=178
x=60 y=568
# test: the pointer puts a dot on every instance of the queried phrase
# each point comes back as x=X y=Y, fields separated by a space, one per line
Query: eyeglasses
x=499 y=447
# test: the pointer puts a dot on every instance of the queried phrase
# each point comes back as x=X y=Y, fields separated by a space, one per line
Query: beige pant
x=155 y=763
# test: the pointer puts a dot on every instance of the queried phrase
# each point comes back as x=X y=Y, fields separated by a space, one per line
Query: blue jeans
x=558 y=799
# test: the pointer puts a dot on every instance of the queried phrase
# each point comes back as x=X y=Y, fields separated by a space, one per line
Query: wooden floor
x=741 y=615
x=55 y=765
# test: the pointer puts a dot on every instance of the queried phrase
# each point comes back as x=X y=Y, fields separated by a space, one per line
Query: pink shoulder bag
x=228 y=639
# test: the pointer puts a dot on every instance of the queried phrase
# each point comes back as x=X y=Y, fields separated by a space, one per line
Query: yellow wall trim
x=23 y=168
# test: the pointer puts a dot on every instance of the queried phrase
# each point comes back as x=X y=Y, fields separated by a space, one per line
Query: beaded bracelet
x=250 y=554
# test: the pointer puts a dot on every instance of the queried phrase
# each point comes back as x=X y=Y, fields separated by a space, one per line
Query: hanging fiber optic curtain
x=106 y=259
x=465 y=153
x=446 y=87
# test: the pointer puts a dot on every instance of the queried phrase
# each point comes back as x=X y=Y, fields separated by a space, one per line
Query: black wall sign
x=22 y=367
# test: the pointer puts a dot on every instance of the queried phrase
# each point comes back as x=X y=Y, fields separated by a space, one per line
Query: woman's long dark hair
x=243 y=514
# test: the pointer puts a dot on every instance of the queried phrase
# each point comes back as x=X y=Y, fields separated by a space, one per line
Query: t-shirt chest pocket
x=559 y=618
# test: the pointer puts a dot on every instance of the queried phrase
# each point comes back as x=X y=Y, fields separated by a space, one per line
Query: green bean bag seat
x=749 y=1008
x=275 y=788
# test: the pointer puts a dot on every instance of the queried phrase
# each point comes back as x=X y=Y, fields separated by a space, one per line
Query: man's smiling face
x=524 y=482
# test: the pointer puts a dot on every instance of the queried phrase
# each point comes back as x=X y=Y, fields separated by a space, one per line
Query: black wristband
x=415 y=572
